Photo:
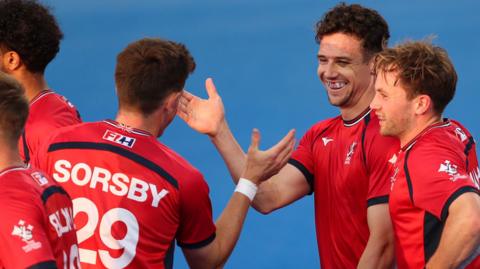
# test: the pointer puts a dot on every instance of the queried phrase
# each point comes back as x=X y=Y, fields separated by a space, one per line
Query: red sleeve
x=196 y=224
x=23 y=235
x=438 y=175
x=303 y=159
x=380 y=154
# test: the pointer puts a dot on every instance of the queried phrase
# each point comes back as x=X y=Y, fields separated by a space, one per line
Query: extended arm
x=231 y=220
x=461 y=234
x=379 y=251
x=207 y=116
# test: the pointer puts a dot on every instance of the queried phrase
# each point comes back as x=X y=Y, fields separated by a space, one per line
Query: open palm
x=202 y=115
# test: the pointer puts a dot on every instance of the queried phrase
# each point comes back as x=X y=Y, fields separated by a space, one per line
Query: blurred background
x=262 y=57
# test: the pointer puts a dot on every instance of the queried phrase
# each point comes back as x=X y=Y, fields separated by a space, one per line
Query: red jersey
x=36 y=230
x=346 y=165
x=132 y=195
x=48 y=112
x=431 y=171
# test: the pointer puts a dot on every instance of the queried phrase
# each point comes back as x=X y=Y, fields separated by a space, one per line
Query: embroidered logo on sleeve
x=25 y=232
x=451 y=169
x=39 y=178
x=460 y=134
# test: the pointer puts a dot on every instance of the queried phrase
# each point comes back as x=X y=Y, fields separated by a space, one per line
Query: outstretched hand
x=202 y=115
x=261 y=165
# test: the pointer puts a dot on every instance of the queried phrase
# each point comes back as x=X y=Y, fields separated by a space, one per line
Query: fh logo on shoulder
x=119 y=138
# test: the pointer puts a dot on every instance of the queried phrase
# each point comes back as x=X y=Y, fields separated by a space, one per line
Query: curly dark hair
x=148 y=70
x=364 y=23
x=29 y=29
x=423 y=68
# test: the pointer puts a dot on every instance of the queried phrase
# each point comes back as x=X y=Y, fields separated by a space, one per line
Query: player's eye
x=322 y=60
x=343 y=63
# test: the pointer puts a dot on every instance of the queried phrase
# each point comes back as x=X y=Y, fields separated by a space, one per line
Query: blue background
x=262 y=56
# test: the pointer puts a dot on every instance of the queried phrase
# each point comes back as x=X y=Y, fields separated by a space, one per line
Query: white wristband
x=247 y=188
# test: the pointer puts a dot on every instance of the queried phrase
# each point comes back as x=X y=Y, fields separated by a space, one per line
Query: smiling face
x=343 y=70
x=394 y=109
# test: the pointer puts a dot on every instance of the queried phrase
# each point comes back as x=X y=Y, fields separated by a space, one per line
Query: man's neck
x=350 y=113
x=34 y=83
x=138 y=121
x=9 y=157
x=418 y=127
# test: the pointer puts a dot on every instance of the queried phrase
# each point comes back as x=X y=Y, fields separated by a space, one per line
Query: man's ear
x=171 y=102
x=423 y=104
x=11 y=61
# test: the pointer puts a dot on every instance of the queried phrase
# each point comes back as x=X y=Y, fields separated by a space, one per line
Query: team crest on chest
x=393 y=163
x=350 y=152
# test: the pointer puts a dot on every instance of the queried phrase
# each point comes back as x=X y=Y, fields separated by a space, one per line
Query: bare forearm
x=230 y=150
x=456 y=245
x=229 y=226
x=377 y=255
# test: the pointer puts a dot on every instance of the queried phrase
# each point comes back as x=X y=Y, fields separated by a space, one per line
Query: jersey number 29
x=128 y=243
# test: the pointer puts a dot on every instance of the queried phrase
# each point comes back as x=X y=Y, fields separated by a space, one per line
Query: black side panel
x=407 y=175
x=168 y=262
x=432 y=231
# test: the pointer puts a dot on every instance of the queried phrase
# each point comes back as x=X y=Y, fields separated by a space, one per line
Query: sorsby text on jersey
x=81 y=174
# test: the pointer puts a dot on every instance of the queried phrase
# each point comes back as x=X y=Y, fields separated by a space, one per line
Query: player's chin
x=336 y=100
x=385 y=131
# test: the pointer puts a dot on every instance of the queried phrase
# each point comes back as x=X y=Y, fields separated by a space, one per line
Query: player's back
x=37 y=228
x=125 y=187
x=48 y=111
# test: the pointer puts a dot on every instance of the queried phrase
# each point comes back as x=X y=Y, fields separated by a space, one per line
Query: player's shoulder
x=440 y=142
x=323 y=125
x=50 y=110
x=448 y=134
x=49 y=99
x=67 y=133
x=26 y=184
x=178 y=162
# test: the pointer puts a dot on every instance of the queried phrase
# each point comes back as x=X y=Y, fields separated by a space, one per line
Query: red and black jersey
x=48 y=112
x=346 y=165
x=431 y=171
x=36 y=230
x=132 y=195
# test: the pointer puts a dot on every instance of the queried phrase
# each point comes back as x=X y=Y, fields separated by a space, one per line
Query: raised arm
x=207 y=116
x=231 y=220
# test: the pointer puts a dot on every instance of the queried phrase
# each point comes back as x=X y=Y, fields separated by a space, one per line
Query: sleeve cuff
x=197 y=244
x=452 y=198
x=305 y=172
x=44 y=265
x=377 y=200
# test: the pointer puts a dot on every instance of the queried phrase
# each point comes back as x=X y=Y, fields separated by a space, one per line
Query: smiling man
x=343 y=160
x=434 y=202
